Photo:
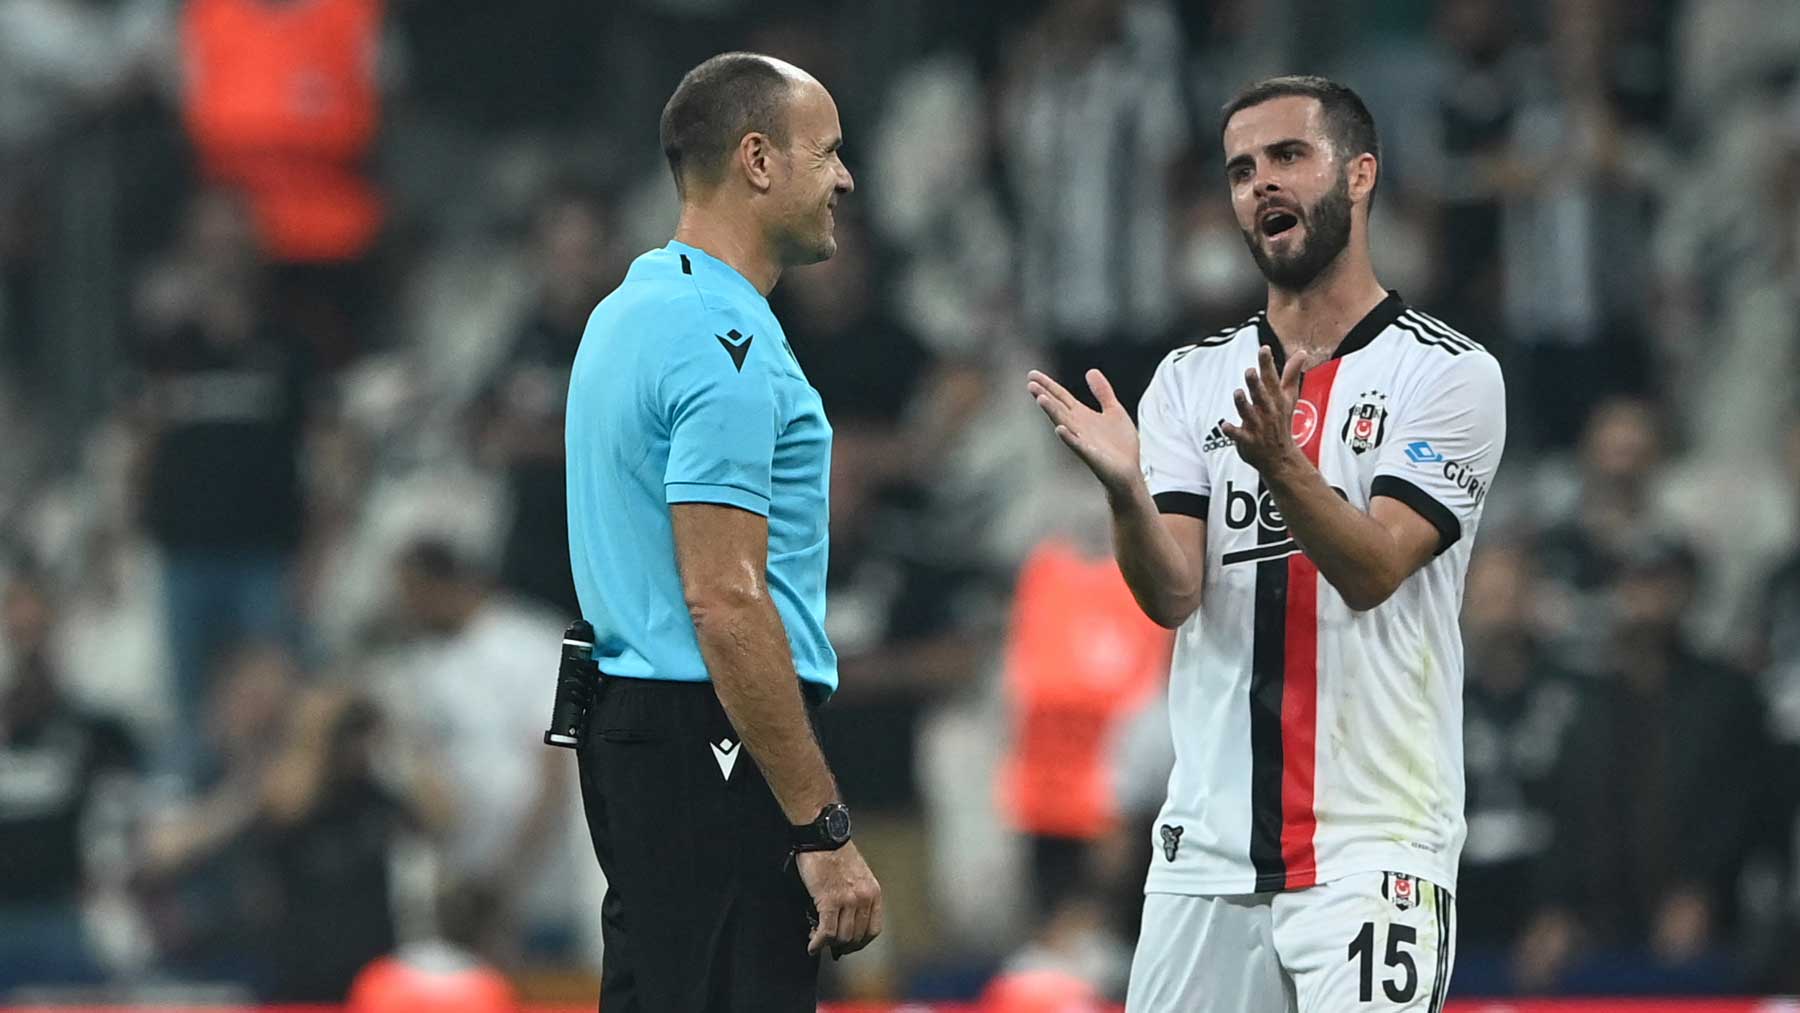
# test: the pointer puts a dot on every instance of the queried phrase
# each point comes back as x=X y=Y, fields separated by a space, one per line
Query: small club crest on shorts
x=1171 y=840
x=1400 y=888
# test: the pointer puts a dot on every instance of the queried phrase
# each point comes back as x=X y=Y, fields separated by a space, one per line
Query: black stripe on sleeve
x=1449 y=528
x=1442 y=330
x=1424 y=337
x=1268 y=671
x=1187 y=504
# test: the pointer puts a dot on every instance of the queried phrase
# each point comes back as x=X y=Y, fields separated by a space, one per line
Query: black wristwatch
x=829 y=832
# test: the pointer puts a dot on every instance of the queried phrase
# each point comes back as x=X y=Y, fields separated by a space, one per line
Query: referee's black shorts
x=703 y=912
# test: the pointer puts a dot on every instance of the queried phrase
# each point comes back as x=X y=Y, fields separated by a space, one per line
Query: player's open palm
x=1105 y=440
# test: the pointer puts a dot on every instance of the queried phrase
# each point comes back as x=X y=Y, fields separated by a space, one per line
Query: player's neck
x=1317 y=318
x=732 y=239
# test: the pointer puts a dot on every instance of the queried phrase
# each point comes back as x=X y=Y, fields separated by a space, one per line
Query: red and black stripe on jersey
x=1284 y=664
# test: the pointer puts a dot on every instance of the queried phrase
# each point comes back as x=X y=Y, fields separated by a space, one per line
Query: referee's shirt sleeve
x=1443 y=451
x=723 y=414
x=1169 y=447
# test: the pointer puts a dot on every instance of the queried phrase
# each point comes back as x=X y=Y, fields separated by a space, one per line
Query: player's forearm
x=1352 y=551
x=1155 y=568
x=746 y=651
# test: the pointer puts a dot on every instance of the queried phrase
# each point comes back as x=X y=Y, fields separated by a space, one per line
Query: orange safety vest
x=1080 y=657
x=282 y=102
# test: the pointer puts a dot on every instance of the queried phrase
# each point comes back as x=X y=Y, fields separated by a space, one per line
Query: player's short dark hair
x=714 y=106
x=1347 y=120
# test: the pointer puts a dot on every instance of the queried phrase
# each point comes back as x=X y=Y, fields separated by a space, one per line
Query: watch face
x=837 y=824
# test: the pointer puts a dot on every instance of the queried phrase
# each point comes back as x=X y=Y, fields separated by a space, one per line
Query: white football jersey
x=1313 y=741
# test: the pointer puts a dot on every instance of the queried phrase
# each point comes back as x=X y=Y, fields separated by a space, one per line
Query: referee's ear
x=754 y=153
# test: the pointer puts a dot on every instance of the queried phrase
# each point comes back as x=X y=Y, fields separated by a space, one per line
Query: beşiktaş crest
x=1366 y=425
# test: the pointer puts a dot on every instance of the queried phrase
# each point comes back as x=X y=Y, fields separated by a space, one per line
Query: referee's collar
x=707 y=267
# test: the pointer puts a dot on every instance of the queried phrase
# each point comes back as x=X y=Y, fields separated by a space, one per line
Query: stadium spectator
x=221 y=415
x=1647 y=755
x=1726 y=310
x=64 y=65
x=1092 y=125
x=474 y=708
x=328 y=824
x=1518 y=709
x=521 y=413
x=283 y=101
x=1464 y=97
x=293 y=840
x=1230 y=42
x=205 y=882
x=1574 y=231
x=936 y=201
x=1613 y=509
x=55 y=755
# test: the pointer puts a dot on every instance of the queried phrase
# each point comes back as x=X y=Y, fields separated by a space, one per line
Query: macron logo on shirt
x=737 y=346
x=726 y=752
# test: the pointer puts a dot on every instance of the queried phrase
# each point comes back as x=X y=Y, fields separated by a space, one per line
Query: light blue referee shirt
x=685 y=391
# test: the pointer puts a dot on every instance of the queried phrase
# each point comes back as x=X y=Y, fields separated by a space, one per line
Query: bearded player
x=1300 y=505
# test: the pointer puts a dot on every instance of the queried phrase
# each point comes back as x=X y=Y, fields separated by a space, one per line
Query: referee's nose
x=845 y=182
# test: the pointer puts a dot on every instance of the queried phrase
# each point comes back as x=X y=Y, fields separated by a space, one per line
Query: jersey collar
x=1366 y=330
x=712 y=268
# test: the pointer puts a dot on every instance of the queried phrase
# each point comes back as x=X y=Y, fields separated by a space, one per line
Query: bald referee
x=698 y=460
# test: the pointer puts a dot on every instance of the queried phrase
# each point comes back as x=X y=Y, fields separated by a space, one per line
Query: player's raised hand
x=1105 y=440
x=1265 y=433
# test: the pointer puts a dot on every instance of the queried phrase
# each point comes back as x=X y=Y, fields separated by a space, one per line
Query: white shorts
x=1379 y=942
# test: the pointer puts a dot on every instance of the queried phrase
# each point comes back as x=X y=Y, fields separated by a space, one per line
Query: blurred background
x=288 y=294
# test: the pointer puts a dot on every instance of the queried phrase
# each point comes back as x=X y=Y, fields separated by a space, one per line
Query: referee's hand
x=847 y=898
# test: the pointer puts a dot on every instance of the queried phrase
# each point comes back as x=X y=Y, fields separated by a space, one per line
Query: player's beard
x=1327 y=234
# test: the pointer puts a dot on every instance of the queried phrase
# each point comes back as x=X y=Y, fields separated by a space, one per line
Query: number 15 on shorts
x=1385 y=954
x=1400 y=988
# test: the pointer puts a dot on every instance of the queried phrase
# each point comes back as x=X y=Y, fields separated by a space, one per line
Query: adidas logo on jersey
x=1215 y=440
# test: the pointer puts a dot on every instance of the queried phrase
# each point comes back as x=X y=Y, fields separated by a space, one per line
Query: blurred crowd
x=289 y=290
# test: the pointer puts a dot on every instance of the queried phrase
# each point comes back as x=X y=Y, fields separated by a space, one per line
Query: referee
x=698 y=458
